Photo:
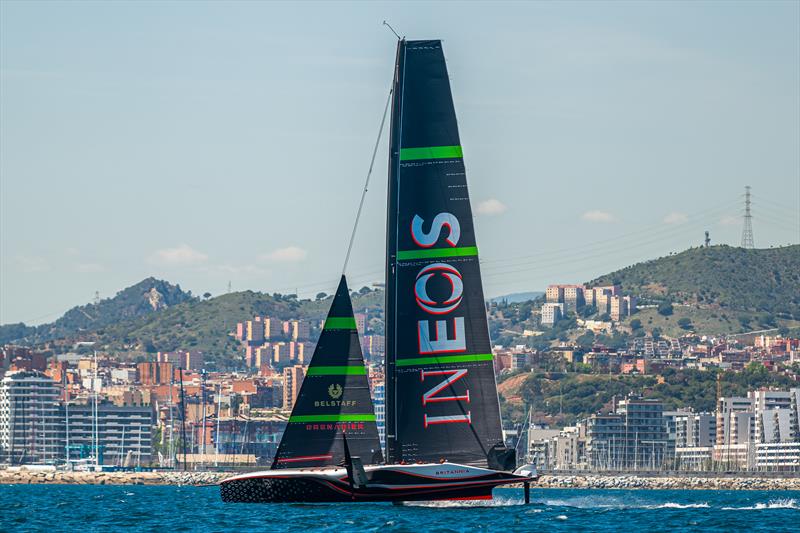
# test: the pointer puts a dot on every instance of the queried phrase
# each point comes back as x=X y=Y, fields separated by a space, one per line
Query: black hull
x=316 y=491
x=386 y=485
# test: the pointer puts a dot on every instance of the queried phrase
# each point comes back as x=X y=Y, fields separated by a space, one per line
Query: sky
x=212 y=143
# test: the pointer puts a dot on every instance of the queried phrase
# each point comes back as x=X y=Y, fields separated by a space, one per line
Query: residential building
x=299 y=330
x=618 y=308
x=378 y=387
x=554 y=294
x=634 y=437
x=185 y=359
x=31 y=428
x=361 y=322
x=292 y=380
x=155 y=373
x=774 y=416
x=124 y=433
x=552 y=313
x=273 y=329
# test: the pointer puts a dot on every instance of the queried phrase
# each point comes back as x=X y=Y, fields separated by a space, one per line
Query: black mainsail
x=441 y=392
x=334 y=399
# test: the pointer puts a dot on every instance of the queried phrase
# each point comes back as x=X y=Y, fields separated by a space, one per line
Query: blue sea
x=172 y=509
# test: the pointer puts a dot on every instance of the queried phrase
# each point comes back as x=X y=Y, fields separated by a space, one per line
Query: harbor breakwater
x=548 y=481
x=682 y=482
x=56 y=477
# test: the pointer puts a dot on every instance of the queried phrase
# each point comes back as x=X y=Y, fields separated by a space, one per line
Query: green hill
x=208 y=325
x=147 y=297
x=749 y=280
x=756 y=286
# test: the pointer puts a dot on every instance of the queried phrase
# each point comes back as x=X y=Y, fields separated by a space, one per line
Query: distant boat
x=444 y=435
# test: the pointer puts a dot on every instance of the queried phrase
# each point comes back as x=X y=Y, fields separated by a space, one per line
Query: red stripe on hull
x=305 y=458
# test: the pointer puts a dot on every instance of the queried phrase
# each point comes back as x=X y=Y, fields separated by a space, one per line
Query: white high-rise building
x=31 y=429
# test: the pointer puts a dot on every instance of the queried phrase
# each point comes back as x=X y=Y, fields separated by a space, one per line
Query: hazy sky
x=205 y=143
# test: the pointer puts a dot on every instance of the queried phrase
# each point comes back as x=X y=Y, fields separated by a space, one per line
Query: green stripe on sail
x=332 y=418
x=430 y=152
x=444 y=359
x=432 y=253
x=359 y=370
x=343 y=322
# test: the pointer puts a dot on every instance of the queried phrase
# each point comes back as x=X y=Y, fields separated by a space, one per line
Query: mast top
x=392 y=30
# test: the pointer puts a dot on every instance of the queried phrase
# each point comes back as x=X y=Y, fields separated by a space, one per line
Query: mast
x=66 y=412
x=171 y=422
x=183 y=421
x=216 y=436
x=95 y=418
x=390 y=349
x=203 y=402
x=441 y=393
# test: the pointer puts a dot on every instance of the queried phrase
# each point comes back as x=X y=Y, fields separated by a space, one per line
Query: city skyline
x=205 y=146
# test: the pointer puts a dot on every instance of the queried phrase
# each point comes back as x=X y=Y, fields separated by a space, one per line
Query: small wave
x=496 y=502
x=673 y=505
x=788 y=503
x=617 y=503
x=561 y=517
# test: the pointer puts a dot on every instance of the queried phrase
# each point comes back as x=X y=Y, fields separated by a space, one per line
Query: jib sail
x=441 y=392
x=334 y=399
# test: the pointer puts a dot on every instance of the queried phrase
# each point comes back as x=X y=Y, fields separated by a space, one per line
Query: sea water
x=173 y=509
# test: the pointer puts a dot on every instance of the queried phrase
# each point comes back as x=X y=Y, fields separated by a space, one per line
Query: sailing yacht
x=443 y=428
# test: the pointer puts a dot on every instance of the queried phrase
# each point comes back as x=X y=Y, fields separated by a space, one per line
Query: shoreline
x=650 y=482
x=546 y=481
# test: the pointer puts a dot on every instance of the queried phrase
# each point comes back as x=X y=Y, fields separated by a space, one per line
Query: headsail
x=333 y=399
x=441 y=391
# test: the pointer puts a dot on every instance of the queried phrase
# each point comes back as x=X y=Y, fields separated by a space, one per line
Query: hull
x=395 y=483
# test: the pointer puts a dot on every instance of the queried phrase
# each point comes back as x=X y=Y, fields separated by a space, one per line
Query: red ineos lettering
x=440 y=342
x=452 y=377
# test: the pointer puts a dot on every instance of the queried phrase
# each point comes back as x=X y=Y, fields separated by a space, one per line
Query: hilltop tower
x=747 y=229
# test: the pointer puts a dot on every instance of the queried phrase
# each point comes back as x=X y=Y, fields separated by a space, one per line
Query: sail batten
x=334 y=398
x=441 y=393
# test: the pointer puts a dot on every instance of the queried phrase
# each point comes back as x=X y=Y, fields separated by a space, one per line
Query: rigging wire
x=366 y=183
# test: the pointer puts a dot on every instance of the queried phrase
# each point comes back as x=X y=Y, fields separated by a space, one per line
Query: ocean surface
x=173 y=509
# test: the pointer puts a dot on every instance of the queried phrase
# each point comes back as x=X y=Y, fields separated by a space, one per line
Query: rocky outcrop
x=589 y=481
x=548 y=481
x=22 y=476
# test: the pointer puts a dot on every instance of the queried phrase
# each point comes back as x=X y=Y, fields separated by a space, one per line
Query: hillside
x=208 y=325
x=559 y=398
x=144 y=298
x=719 y=277
x=719 y=290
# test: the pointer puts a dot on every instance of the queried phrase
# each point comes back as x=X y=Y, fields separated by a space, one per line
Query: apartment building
x=552 y=313
x=292 y=381
x=31 y=429
x=122 y=435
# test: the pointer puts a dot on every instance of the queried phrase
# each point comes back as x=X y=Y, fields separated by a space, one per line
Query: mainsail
x=334 y=399
x=441 y=392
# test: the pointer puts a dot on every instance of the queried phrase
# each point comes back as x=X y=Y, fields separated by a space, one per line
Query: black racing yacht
x=443 y=430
